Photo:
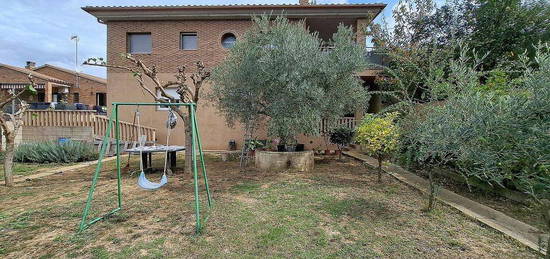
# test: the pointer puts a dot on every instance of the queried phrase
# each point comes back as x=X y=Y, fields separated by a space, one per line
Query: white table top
x=154 y=149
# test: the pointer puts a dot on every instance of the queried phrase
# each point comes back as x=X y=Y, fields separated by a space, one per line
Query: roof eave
x=106 y=14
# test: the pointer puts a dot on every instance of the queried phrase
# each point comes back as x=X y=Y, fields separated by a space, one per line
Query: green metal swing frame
x=195 y=146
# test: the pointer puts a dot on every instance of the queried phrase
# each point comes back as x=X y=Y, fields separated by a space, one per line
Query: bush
x=498 y=135
x=52 y=152
x=341 y=136
x=378 y=134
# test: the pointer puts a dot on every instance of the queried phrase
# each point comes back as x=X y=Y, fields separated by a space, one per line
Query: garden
x=337 y=211
x=453 y=105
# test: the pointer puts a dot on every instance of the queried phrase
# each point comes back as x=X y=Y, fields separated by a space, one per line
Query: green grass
x=245 y=187
x=26 y=169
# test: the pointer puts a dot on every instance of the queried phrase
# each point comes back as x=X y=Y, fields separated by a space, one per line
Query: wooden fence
x=79 y=118
x=326 y=125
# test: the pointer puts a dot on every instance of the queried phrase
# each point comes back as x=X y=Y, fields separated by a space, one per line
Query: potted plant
x=252 y=145
x=341 y=136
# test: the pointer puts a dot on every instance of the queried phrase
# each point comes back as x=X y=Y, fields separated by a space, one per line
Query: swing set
x=143 y=182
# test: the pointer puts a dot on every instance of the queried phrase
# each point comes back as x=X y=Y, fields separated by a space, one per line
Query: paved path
x=51 y=171
x=524 y=233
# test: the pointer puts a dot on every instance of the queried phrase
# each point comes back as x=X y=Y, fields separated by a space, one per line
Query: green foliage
x=253 y=144
x=505 y=29
x=426 y=36
x=498 y=82
x=341 y=136
x=52 y=152
x=30 y=89
x=378 y=134
x=499 y=137
x=278 y=72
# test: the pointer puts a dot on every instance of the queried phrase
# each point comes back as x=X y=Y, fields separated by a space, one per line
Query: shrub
x=500 y=137
x=378 y=134
x=341 y=136
x=52 y=152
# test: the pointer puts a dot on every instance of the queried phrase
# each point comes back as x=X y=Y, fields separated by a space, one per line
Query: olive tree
x=279 y=73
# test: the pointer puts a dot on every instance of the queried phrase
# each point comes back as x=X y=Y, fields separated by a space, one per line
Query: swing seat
x=144 y=183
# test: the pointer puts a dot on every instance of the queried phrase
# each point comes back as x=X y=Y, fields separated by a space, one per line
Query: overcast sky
x=40 y=30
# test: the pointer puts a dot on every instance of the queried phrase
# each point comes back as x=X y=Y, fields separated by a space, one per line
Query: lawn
x=26 y=169
x=336 y=211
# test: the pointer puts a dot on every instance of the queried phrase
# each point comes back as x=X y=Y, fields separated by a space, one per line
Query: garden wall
x=38 y=134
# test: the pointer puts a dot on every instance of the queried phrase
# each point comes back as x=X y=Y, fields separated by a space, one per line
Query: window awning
x=18 y=86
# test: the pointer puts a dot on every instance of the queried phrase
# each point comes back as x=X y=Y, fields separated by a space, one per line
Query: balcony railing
x=326 y=126
x=375 y=58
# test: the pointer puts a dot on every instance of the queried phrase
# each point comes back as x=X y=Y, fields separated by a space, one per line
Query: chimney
x=30 y=65
x=304 y=2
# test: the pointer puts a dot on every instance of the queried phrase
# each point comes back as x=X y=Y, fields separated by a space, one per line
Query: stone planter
x=302 y=161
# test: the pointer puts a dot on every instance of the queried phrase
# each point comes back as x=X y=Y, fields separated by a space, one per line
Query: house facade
x=54 y=84
x=171 y=36
x=87 y=89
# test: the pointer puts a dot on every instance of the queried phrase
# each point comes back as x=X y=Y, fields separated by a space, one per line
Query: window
x=76 y=98
x=101 y=99
x=139 y=43
x=41 y=96
x=228 y=40
x=170 y=91
x=189 y=41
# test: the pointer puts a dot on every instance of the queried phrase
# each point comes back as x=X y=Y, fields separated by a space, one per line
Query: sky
x=40 y=30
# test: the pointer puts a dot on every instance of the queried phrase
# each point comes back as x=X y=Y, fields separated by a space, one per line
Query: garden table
x=147 y=151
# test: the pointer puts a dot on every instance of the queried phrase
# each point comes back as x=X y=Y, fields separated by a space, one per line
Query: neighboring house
x=53 y=84
x=171 y=36
x=87 y=89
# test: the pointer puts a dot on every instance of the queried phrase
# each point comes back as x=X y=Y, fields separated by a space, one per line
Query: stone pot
x=272 y=161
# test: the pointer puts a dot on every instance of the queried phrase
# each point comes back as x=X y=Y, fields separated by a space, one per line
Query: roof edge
x=219 y=12
x=84 y=75
x=237 y=6
x=35 y=74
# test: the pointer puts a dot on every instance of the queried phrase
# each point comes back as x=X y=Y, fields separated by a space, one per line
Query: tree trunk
x=8 y=158
x=186 y=118
x=546 y=210
x=379 y=168
x=431 y=200
x=1 y=146
x=188 y=149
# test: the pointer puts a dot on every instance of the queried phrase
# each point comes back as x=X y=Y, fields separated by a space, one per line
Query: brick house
x=170 y=36
x=87 y=89
x=54 y=83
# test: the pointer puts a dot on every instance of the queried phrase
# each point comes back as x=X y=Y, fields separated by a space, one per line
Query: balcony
x=376 y=59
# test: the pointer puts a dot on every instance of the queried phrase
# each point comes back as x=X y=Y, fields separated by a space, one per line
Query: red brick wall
x=166 y=53
x=87 y=90
x=11 y=76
